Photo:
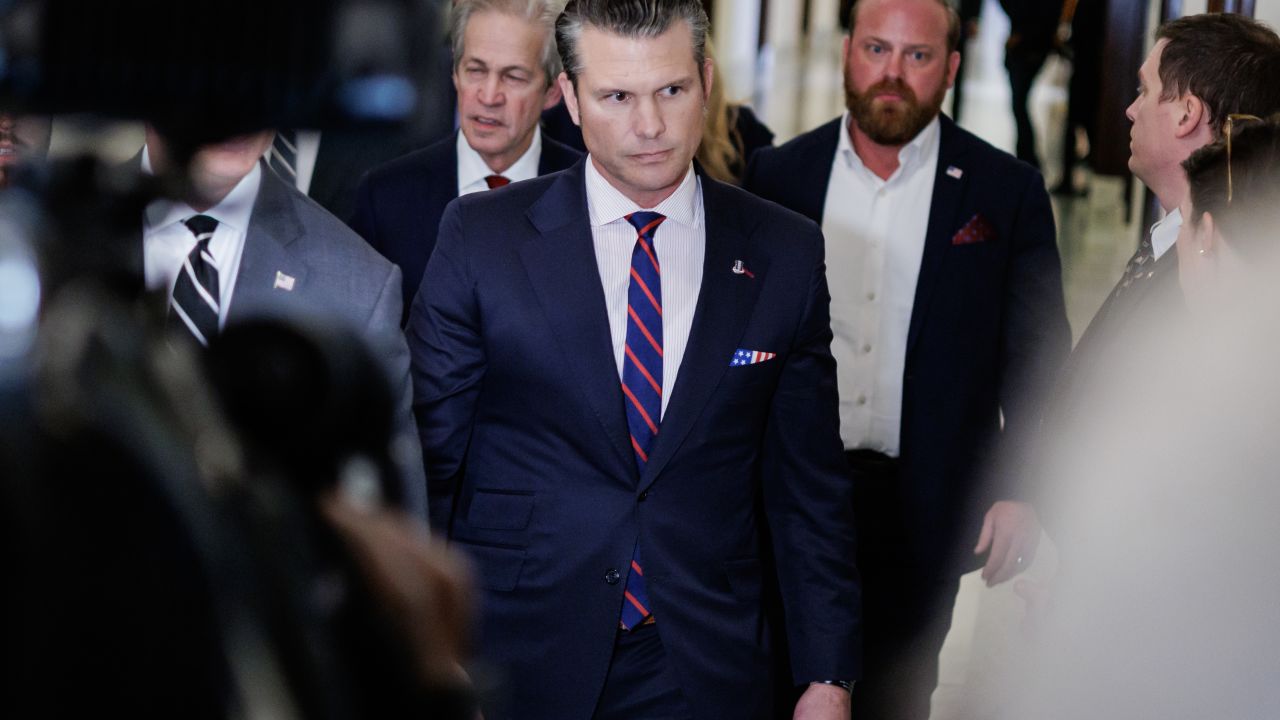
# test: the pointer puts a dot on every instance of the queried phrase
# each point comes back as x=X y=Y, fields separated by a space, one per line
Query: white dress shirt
x=472 y=169
x=875 y=233
x=308 y=151
x=308 y=146
x=1165 y=232
x=166 y=242
x=680 y=243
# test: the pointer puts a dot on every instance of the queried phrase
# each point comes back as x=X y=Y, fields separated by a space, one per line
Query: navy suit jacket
x=988 y=329
x=399 y=204
x=531 y=470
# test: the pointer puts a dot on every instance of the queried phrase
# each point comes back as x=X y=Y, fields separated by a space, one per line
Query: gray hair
x=539 y=12
x=628 y=18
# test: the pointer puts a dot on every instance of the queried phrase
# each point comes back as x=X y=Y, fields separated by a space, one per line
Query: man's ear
x=953 y=67
x=1193 y=115
x=1207 y=237
x=570 y=97
x=708 y=76
x=552 y=95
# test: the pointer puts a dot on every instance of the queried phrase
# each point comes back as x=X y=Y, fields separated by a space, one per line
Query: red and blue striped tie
x=642 y=379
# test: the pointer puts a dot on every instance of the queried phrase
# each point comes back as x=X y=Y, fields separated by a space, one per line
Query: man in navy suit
x=948 y=317
x=504 y=69
x=623 y=371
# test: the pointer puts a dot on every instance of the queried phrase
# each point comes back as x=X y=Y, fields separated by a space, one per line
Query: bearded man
x=949 y=326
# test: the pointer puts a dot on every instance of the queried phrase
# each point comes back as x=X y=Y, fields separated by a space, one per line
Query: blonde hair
x=721 y=149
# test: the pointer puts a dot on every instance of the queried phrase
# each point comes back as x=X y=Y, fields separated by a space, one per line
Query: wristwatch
x=840 y=683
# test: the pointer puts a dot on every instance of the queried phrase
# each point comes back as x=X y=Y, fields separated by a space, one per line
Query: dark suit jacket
x=531 y=471
x=344 y=157
x=399 y=204
x=335 y=275
x=1119 y=332
x=988 y=329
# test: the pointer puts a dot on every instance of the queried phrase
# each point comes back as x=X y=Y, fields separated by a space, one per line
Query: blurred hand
x=423 y=587
x=823 y=702
x=1010 y=535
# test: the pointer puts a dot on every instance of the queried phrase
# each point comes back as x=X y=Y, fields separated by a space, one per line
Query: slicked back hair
x=539 y=13
x=627 y=18
x=953 y=22
x=1229 y=61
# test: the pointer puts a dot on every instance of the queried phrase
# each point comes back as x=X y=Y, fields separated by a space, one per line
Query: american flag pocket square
x=975 y=231
x=750 y=357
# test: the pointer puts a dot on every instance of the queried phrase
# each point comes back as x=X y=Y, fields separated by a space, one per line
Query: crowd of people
x=718 y=425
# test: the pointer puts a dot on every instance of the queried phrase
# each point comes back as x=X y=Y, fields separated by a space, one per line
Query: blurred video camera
x=169 y=552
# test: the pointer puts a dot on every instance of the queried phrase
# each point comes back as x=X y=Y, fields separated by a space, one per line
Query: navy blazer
x=399 y=204
x=988 y=328
x=531 y=470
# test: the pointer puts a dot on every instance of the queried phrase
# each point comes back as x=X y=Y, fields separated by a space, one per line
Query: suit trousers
x=906 y=610
x=640 y=684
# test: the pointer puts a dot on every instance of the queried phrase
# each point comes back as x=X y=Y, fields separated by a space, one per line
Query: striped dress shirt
x=681 y=243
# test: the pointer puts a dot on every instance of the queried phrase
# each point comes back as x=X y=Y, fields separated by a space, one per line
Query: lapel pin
x=954 y=172
x=740 y=269
x=284 y=282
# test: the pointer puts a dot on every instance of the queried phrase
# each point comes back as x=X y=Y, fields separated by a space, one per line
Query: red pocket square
x=975 y=231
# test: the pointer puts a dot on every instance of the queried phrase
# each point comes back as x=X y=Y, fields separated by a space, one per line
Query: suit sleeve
x=408 y=454
x=448 y=359
x=808 y=497
x=1036 y=336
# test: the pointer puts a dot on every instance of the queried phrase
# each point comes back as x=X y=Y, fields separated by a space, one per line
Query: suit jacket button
x=644 y=496
x=613 y=576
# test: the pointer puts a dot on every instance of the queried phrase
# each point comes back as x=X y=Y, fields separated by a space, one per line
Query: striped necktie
x=283 y=157
x=194 y=307
x=642 y=380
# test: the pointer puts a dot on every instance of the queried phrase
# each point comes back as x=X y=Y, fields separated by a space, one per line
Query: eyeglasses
x=1227 y=128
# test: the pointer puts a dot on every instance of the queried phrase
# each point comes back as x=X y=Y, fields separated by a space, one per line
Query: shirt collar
x=234 y=211
x=910 y=157
x=472 y=168
x=606 y=204
x=1165 y=232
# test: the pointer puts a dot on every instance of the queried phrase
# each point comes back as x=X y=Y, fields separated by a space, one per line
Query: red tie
x=496 y=181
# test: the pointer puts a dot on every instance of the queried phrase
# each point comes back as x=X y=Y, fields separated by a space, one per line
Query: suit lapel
x=811 y=200
x=267 y=264
x=725 y=304
x=562 y=269
x=944 y=220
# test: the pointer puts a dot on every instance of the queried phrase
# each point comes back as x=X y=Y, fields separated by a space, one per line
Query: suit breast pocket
x=755 y=376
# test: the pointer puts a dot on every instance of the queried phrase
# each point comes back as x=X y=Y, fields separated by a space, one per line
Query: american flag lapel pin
x=741 y=269
x=954 y=172
x=284 y=282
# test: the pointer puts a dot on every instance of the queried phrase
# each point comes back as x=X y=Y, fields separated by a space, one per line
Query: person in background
x=23 y=137
x=237 y=242
x=1032 y=33
x=949 y=323
x=504 y=69
x=730 y=136
x=1201 y=70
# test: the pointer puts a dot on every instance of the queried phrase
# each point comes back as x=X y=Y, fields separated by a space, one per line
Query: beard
x=891 y=123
